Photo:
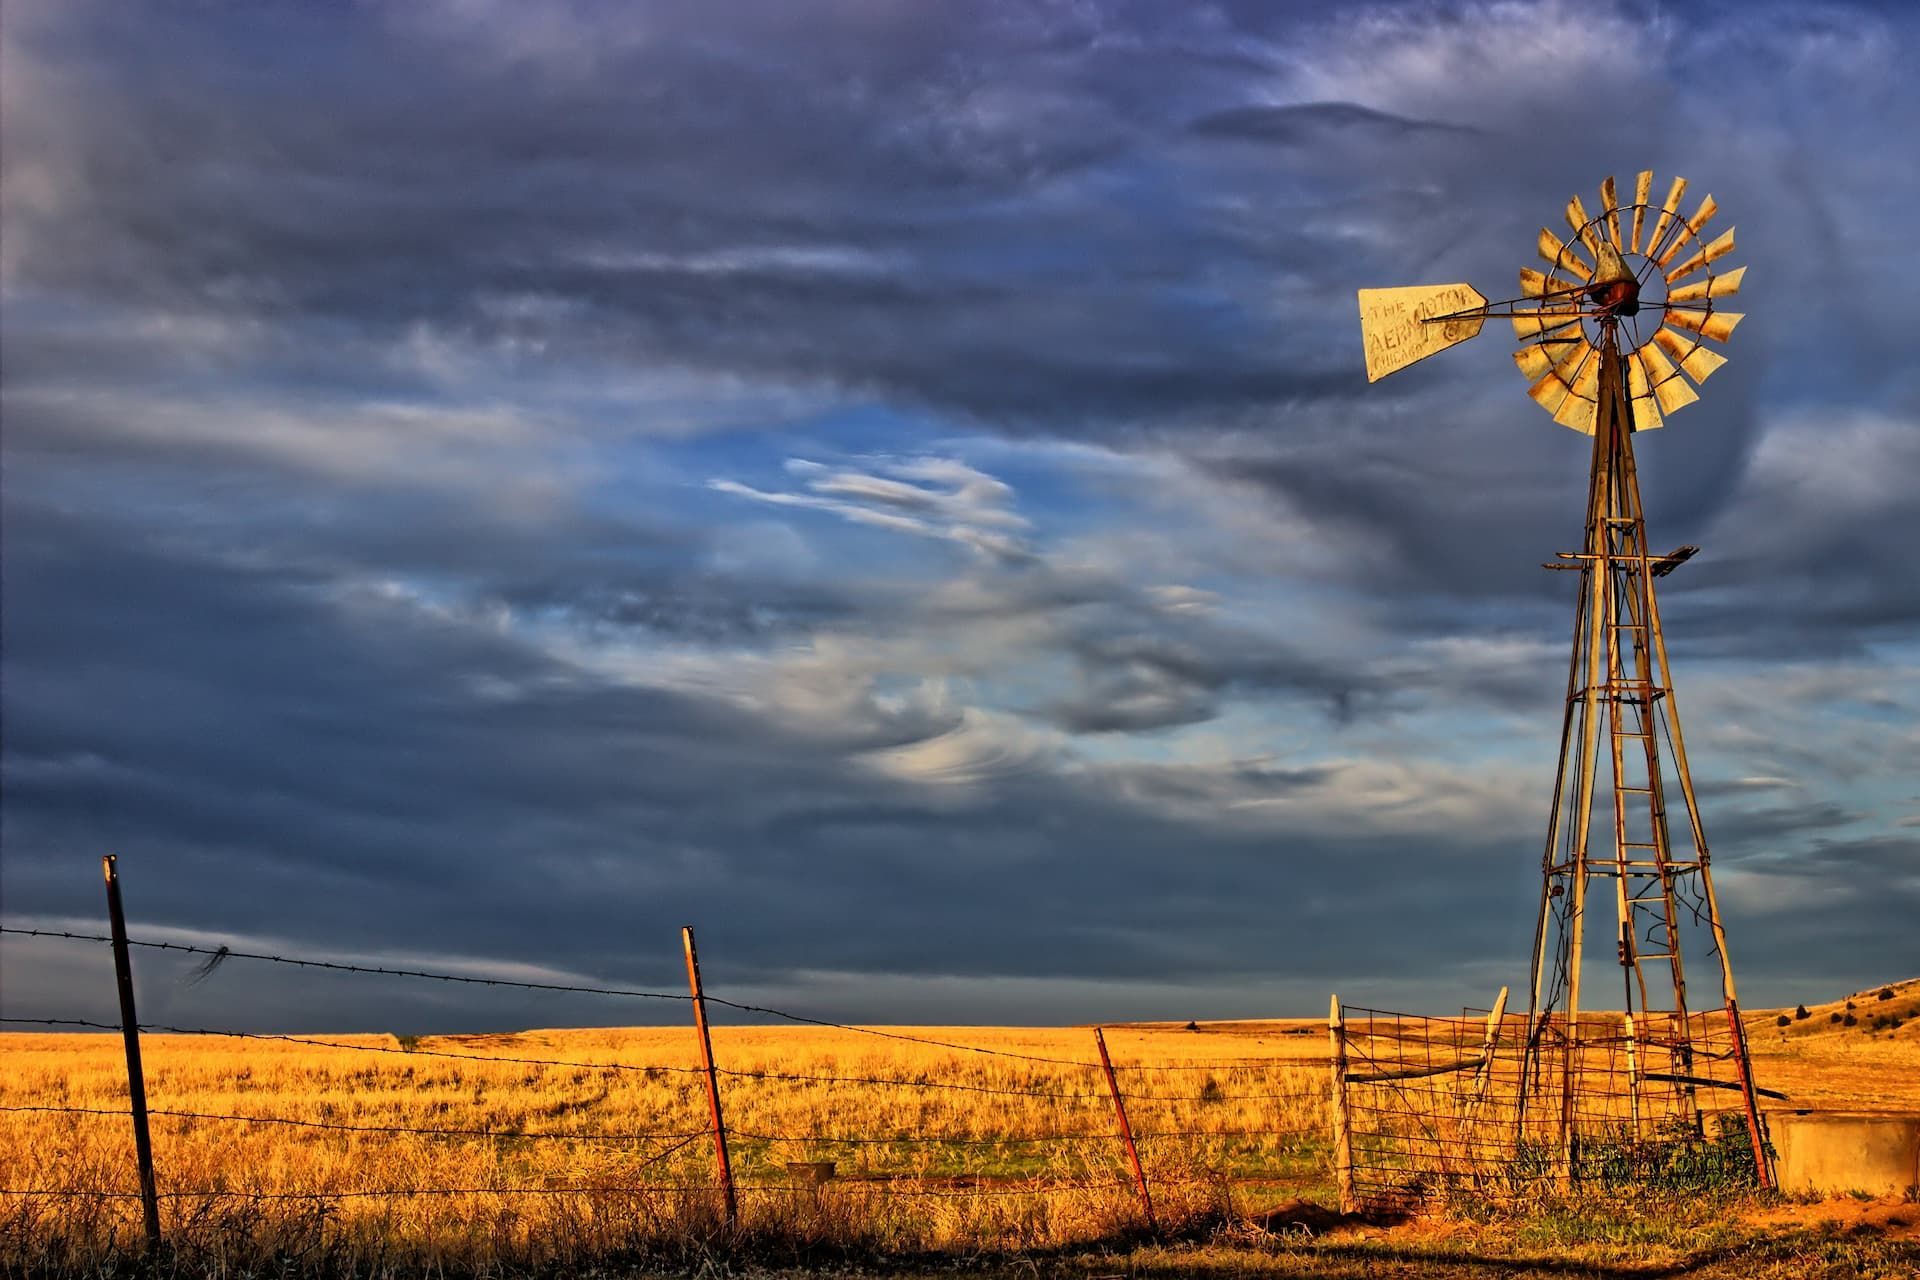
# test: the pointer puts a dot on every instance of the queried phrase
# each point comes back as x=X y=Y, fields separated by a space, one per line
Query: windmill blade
x=1719 y=249
x=1642 y=188
x=1669 y=388
x=1659 y=368
x=1699 y=362
x=1398 y=329
x=1536 y=284
x=1610 y=210
x=1579 y=415
x=1548 y=393
x=1577 y=219
x=1557 y=383
x=1645 y=409
x=1712 y=287
x=1580 y=409
x=1562 y=255
x=1674 y=395
x=1717 y=325
x=1538 y=324
x=1693 y=225
x=1664 y=222
x=1534 y=361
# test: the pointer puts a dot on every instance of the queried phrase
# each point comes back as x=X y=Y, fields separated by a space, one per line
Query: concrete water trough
x=1834 y=1152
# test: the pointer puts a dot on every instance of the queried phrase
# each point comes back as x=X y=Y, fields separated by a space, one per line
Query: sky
x=488 y=482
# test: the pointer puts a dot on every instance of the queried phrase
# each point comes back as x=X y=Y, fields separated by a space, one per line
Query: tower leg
x=1618 y=673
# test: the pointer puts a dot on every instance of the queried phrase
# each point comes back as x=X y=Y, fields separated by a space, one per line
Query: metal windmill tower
x=1612 y=332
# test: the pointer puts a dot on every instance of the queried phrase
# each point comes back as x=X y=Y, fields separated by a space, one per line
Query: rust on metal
x=1690 y=232
x=722 y=1165
x=1720 y=248
x=1126 y=1130
x=1717 y=325
x=1642 y=188
x=1667 y=563
x=1394 y=328
x=1698 y=361
x=1561 y=256
x=1646 y=410
x=1539 y=284
x=1669 y=210
x=1720 y=286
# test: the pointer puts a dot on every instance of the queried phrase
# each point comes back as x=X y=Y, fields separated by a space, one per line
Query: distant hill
x=1891 y=1010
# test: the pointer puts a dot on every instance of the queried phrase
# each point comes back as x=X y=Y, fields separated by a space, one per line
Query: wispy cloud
x=930 y=497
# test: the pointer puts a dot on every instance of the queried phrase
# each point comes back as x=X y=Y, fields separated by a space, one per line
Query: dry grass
x=1822 y=1061
x=919 y=1167
x=1023 y=1154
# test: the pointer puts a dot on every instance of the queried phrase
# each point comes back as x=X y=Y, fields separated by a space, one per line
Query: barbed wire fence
x=1080 y=1152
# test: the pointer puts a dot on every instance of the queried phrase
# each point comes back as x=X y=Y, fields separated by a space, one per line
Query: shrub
x=1833 y=1017
x=1849 y=1020
x=1783 y=1021
x=1800 y=1011
x=1886 y=993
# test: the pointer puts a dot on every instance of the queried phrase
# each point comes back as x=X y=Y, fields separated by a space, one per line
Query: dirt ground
x=1893 y=1217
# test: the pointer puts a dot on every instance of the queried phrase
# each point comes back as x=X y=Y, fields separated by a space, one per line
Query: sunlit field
x=928 y=1147
x=564 y=1149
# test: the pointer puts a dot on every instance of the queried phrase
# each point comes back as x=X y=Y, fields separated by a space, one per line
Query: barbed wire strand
x=647 y=1188
x=597 y=1135
x=643 y=1068
x=343 y=967
x=681 y=1138
x=583 y=989
x=734 y=1073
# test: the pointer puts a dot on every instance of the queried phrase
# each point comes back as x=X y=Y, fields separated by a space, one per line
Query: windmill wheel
x=1647 y=278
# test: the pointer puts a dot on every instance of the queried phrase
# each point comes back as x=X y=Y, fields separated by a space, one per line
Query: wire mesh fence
x=1494 y=1106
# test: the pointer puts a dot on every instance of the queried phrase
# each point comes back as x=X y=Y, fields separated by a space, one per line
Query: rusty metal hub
x=1615 y=289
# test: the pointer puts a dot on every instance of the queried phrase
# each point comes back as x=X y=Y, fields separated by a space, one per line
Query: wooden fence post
x=1126 y=1130
x=1342 y=1127
x=1489 y=1045
x=136 y=1077
x=713 y=1078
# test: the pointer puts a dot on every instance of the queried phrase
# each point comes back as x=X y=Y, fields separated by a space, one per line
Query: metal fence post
x=1126 y=1130
x=713 y=1078
x=1342 y=1127
x=136 y=1077
x=1756 y=1129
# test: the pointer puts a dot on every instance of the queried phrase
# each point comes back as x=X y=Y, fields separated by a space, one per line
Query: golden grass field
x=609 y=1156
x=946 y=1158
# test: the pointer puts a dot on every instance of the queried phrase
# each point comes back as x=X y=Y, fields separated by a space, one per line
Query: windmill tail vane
x=1615 y=333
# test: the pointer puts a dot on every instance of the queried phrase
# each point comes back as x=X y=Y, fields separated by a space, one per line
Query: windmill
x=1614 y=334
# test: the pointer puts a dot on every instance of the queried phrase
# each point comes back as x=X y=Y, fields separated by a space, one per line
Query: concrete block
x=1833 y=1152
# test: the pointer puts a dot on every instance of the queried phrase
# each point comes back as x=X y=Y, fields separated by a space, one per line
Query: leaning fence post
x=1126 y=1130
x=713 y=1077
x=1489 y=1044
x=136 y=1078
x=1342 y=1128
